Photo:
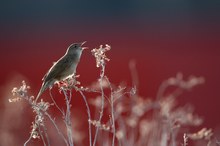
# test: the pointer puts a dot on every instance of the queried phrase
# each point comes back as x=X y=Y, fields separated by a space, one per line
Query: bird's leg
x=63 y=84
x=59 y=85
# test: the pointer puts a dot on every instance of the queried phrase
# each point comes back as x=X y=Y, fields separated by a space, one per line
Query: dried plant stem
x=113 y=119
x=134 y=75
x=61 y=111
x=102 y=101
x=26 y=142
x=55 y=125
x=113 y=130
x=112 y=112
x=63 y=114
x=39 y=129
x=164 y=135
x=185 y=139
x=89 y=117
x=46 y=135
x=161 y=90
x=68 y=122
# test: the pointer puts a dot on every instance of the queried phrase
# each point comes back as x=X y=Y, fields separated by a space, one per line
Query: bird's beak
x=83 y=48
x=83 y=43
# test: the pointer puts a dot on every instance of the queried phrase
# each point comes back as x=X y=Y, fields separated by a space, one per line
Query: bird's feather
x=53 y=72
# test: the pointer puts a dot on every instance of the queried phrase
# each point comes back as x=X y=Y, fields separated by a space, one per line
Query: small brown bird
x=63 y=68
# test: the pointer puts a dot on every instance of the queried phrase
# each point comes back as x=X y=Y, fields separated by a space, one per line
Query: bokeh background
x=163 y=37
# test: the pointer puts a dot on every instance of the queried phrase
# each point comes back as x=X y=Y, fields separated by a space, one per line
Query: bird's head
x=76 y=48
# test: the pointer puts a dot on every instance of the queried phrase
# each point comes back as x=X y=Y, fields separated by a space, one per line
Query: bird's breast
x=69 y=70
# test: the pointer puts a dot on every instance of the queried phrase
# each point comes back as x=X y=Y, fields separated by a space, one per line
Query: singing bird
x=63 y=68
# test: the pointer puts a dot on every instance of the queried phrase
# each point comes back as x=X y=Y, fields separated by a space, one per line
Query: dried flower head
x=204 y=133
x=98 y=124
x=69 y=83
x=188 y=84
x=97 y=85
x=120 y=134
x=41 y=106
x=145 y=127
x=132 y=121
x=19 y=93
x=100 y=55
x=96 y=101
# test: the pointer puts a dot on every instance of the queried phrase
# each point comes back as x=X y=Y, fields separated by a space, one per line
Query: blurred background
x=162 y=37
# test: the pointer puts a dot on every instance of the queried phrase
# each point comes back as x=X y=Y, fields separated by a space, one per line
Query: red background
x=162 y=37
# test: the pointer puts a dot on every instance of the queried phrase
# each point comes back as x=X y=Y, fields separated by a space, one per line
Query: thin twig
x=56 y=127
x=46 y=135
x=161 y=90
x=112 y=111
x=62 y=112
x=185 y=139
x=134 y=75
x=27 y=141
x=68 y=122
x=89 y=117
x=102 y=102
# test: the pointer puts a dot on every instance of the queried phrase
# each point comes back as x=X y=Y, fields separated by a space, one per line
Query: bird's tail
x=42 y=89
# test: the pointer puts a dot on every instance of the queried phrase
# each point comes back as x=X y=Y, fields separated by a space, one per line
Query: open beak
x=83 y=48
x=83 y=43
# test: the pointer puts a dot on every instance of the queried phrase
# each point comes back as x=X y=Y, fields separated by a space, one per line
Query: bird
x=63 y=68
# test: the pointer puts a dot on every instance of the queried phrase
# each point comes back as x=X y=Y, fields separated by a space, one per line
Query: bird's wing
x=49 y=71
x=57 y=69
